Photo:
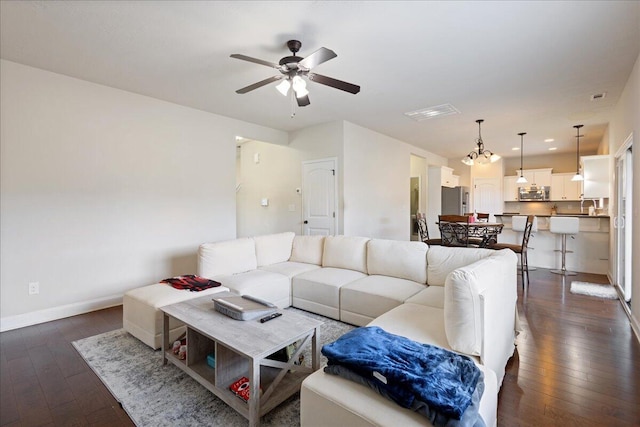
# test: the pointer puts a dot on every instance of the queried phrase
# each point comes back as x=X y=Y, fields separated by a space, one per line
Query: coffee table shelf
x=242 y=348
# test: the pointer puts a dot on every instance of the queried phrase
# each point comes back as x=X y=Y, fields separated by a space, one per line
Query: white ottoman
x=141 y=317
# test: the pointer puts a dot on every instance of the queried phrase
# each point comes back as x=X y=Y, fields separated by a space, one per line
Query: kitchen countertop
x=560 y=214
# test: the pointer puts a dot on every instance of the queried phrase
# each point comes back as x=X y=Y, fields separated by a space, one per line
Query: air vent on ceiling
x=431 y=112
x=598 y=96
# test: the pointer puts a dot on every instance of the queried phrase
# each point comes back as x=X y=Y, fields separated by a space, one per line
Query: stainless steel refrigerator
x=455 y=201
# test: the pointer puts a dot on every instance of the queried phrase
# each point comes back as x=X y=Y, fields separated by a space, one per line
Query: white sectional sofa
x=461 y=299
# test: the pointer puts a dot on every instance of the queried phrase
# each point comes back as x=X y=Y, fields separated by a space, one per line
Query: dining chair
x=520 y=249
x=482 y=217
x=423 y=231
x=454 y=230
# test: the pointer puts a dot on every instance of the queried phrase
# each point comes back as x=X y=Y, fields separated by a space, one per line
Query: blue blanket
x=407 y=370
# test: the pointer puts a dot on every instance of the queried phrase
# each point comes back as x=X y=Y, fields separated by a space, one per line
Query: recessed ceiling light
x=431 y=112
x=549 y=140
x=516 y=149
x=553 y=148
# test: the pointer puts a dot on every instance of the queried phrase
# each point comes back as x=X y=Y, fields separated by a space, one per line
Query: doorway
x=414 y=202
x=487 y=196
x=622 y=218
x=319 y=197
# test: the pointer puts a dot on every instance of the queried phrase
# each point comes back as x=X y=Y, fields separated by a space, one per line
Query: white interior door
x=487 y=196
x=319 y=197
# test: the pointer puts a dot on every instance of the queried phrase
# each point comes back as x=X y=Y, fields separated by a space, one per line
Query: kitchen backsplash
x=544 y=208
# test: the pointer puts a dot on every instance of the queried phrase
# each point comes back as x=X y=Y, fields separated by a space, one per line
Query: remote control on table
x=270 y=317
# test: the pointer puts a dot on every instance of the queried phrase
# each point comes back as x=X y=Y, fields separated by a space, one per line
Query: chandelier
x=481 y=156
x=577 y=176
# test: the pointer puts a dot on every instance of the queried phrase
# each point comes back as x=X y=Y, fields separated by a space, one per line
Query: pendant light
x=521 y=179
x=577 y=176
x=481 y=156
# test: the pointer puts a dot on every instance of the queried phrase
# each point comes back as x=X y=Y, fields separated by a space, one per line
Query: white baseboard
x=41 y=316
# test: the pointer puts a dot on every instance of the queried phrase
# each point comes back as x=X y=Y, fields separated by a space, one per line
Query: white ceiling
x=521 y=66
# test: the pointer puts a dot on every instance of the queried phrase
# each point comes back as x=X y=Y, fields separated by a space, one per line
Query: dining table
x=480 y=234
x=487 y=232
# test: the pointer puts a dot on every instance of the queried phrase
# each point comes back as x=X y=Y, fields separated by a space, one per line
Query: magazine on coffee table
x=243 y=307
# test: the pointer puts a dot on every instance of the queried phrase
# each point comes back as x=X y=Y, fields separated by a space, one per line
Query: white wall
x=104 y=190
x=275 y=176
x=626 y=120
x=321 y=142
x=376 y=183
x=419 y=168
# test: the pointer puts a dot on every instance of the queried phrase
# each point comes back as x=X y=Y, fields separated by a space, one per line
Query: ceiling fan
x=292 y=70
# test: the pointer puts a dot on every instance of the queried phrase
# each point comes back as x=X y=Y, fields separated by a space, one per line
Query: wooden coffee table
x=241 y=349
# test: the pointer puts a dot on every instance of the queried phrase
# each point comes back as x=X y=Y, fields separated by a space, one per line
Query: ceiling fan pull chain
x=293 y=103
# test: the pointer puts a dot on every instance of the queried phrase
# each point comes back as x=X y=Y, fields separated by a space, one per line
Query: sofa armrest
x=480 y=309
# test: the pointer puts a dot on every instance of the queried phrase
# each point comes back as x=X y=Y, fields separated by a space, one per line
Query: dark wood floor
x=577 y=363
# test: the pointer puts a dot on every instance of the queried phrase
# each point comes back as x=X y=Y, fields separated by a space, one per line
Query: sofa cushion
x=266 y=285
x=321 y=288
x=415 y=321
x=443 y=260
x=226 y=257
x=365 y=299
x=290 y=268
x=395 y=258
x=345 y=252
x=273 y=248
x=307 y=249
x=432 y=296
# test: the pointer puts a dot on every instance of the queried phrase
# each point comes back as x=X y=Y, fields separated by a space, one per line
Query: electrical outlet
x=34 y=288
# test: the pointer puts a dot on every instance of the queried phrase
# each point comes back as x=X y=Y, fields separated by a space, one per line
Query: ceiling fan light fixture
x=299 y=86
x=283 y=87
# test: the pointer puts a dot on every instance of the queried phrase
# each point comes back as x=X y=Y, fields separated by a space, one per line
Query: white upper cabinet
x=537 y=177
x=447 y=178
x=595 y=170
x=510 y=189
x=562 y=188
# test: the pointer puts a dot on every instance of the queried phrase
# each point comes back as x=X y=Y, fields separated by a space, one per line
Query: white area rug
x=156 y=395
x=594 y=290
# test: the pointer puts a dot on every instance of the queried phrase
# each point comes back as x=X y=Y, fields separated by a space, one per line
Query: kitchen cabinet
x=444 y=175
x=537 y=177
x=595 y=170
x=510 y=189
x=562 y=188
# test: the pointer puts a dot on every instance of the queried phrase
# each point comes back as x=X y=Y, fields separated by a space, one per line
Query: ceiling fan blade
x=304 y=101
x=338 y=84
x=259 y=84
x=318 y=57
x=255 y=60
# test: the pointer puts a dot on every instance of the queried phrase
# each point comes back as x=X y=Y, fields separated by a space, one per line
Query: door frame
x=620 y=269
x=334 y=160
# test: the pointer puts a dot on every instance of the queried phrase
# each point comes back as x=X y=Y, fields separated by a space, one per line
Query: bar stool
x=564 y=226
x=518 y=225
